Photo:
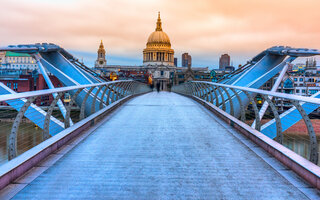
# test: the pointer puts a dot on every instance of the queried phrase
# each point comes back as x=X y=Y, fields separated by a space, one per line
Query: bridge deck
x=161 y=146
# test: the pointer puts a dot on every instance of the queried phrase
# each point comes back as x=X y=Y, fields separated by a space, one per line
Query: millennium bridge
x=121 y=140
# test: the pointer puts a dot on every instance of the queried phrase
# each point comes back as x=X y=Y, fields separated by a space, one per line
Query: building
x=20 y=73
x=176 y=62
x=301 y=79
x=158 y=57
x=159 y=64
x=158 y=49
x=186 y=60
x=224 y=61
x=17 y=61
x=229 y=69
x=184 y=74
x=101 y=59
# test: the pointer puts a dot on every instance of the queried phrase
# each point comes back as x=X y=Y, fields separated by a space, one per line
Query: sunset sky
x=203 y=28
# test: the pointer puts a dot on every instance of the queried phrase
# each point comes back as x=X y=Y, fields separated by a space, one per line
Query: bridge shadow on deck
x=161 y=146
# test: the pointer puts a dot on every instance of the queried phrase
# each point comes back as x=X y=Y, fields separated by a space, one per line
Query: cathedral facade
x=158 y=57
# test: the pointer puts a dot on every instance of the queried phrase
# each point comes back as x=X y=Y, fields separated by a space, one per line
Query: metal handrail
x=119 y=90
x=7 y=97
x=265 y=92
x=202 y=89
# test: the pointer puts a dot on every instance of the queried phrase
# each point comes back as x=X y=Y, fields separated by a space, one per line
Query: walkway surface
x=161 y=146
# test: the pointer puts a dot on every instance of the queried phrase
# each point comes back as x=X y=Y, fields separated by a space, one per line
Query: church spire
x=159 y=28
x=101 y=45
x=101 y=48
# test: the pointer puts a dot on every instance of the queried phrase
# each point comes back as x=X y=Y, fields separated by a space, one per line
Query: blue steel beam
x=289 y=118
x=57 y=61
x=263 y=67
x=34 y=113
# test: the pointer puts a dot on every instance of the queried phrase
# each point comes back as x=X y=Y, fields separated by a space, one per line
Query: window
x=288 y=84
x=162 y=73
x=303 y=91
x=8 y=84
x=300 y=79
x=295 y=79
x=15 y=86
x=313 y=91
x=297 y=91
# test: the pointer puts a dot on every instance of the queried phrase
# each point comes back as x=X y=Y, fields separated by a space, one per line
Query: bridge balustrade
x=244 y=103
x=21 y=128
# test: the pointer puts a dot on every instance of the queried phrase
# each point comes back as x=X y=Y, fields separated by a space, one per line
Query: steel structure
x=257 y=72
x=212 y=92
x=113 y=91
x=53 y=59
x=57 y=61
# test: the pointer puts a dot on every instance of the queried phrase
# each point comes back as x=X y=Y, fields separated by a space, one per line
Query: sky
x=203 y=28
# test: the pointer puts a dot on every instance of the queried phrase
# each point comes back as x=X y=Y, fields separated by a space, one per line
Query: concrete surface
x=161 y=146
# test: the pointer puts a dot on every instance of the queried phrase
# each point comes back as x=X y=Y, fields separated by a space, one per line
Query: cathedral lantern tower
x=101 y=60
x=158 y=49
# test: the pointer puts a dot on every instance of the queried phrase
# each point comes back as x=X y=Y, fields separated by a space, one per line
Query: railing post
x=255 y=109
x=83 y=105
x=194 y=91
x=198 y=93
x=222 y=99
x=279 y=137
x=242 y=109
x=201 y=93
x=216 y=94
x=135 y=85
x=201 y=86
x=12 y=137
x=210 y=92
x=195 y=87
x=68 y=108
x=207 y=92
x=102 y=96
x=230 y=101
x=114 y=92
x=109 y=92
x=312 y=136
x=93 y=106
x=126 y=88
x=123 y=87
x=46 y=125
x=117 y=91
x=131 y=87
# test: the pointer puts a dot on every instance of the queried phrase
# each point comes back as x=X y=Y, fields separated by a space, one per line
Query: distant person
x=152 y=86
x=169 y=87
x=158 y=87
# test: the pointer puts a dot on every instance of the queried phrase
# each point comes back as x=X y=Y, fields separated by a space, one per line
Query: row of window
x=15 y=86
x=307 y=79
x=20 y=59
x=304 y=91
x=20 y=66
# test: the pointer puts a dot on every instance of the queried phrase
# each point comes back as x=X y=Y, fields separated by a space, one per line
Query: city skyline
x=204 y=29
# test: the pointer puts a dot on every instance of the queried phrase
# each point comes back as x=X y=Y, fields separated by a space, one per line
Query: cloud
x=204 y=28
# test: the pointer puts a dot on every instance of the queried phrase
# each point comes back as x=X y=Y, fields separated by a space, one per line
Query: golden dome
x=158 y=38
x=158 y=50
